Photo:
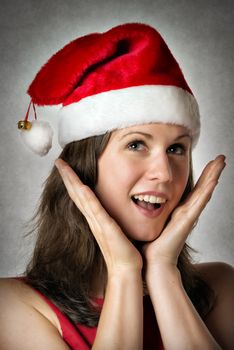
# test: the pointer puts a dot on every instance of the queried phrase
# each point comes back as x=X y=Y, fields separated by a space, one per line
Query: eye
x=136 y=145
x=177 y=149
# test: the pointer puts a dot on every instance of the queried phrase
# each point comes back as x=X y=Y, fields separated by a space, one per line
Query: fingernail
x=56 y=163
x=59 y=166
x=221 y=156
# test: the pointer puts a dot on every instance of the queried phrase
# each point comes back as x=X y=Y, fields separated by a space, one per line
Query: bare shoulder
x=13 y=289
x=15 y=292
x=26 y=321
x=214 y=265
x=220 y=277
x=210 y=269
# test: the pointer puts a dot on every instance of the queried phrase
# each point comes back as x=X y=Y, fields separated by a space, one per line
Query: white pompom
x=39 y=137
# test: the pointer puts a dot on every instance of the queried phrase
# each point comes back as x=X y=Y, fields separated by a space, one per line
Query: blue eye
x=177 y=149
x=136 y=145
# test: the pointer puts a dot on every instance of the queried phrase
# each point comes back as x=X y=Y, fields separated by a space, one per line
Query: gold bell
x=24 y=125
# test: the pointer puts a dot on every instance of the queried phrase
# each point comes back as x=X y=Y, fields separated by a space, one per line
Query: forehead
x=152 y=129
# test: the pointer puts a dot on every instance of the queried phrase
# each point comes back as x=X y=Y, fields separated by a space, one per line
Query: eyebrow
x=149 y=136
x=182 y=136
x=137 y=132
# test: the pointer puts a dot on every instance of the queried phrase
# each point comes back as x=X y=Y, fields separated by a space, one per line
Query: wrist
x=162 y=272
x=124 y=270
x=124 y=276
x=124 y=286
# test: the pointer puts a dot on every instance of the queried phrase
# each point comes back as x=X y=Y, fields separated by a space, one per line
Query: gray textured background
x=200 y=34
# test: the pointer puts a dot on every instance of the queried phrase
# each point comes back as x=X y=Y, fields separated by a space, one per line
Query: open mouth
x=148 y=202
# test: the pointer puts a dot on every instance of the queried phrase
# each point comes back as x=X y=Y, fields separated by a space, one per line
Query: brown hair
x=67 y=258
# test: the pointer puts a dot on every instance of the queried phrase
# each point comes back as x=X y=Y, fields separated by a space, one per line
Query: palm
x=119 y=253
x=168 y=246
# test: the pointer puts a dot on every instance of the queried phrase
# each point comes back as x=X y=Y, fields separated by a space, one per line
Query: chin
x=147 y=235
x=145 y=239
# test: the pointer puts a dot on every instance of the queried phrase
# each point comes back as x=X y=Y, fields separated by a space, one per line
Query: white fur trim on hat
x=117 y=109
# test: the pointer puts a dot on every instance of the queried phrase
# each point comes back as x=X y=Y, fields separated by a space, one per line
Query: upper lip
x=151 y=193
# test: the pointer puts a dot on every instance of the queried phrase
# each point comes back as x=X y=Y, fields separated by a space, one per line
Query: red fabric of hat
x=127 y=55
x=123 y=77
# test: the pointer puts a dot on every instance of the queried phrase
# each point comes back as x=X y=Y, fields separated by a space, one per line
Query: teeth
x=150 y=199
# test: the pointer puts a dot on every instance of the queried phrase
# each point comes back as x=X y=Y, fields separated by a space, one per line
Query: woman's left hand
x=166 y=248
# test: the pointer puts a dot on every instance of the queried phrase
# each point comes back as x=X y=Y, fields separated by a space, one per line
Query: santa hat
x=105 y=81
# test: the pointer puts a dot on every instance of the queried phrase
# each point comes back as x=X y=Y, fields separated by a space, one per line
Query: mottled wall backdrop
x=200 y=34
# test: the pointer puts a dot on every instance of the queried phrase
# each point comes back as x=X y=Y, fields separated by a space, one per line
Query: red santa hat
x=105 y=81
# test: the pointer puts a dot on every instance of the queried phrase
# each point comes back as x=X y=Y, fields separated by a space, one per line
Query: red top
x=80 y=337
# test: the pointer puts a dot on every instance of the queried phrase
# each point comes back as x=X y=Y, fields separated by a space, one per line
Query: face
x=142 y=175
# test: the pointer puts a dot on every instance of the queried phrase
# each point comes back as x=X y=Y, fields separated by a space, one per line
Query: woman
x=111 y=269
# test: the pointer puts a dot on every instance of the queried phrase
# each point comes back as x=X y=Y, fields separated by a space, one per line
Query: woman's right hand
x=119 y=253
x=123 y=305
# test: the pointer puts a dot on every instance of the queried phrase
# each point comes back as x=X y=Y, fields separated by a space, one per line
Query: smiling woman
x=155 y=168
x=111 y=268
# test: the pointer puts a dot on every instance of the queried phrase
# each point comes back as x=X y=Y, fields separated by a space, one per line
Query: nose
x=159 y=168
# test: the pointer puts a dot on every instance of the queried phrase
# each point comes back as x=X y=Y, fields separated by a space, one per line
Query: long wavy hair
x=67 y=259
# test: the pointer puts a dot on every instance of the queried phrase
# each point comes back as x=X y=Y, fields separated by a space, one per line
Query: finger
x=205 y=186
x=117 y=250
x=212 y=170
x=81 y=194
x=98 y=219
x=187 y=214
x=210 y=173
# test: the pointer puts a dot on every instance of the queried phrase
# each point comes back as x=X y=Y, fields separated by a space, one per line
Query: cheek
x=181 y=175
x=114 y=180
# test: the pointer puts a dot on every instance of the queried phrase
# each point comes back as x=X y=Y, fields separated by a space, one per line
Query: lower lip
x=150 y=213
